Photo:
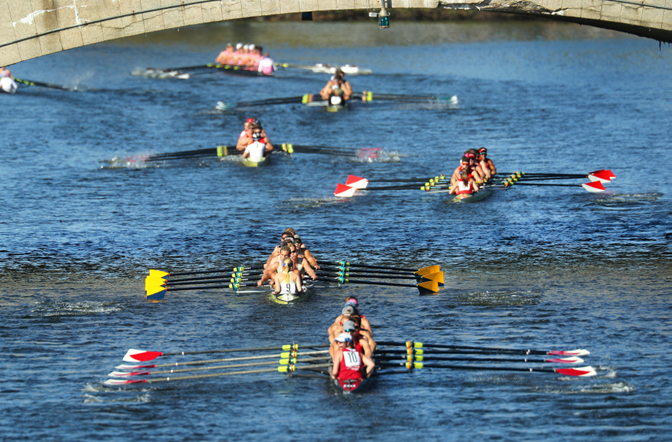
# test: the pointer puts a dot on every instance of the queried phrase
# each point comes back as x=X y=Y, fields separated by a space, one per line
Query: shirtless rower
x=338 y=87
x=245 y=137
x=486 y=163
x=348 y=361
x=259 y=147
x=360 y=341
x=465 y=187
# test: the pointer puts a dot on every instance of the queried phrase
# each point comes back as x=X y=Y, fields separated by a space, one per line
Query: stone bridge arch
x=33 y=28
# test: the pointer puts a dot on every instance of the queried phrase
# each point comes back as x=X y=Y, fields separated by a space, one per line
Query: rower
x=264 y=63
x=337 y=90
x=348 y=362
x=287 y=281
x=258 y=147
x=305 y=253
x=477 y=172
x=274 y=265
x=245 y=137
x=348 y=316
x=4 y=72
x=360 y=342
x=465 y=187
x=486 y=163
x=300 y=264
x=351 y=308
x=227 y=55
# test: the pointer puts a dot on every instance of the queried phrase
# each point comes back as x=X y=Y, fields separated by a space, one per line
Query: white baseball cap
x=344 y=337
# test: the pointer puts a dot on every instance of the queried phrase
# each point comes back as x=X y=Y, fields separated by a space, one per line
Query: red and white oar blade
x=577 y=352
x=133 y=355
x=369 y=153
x=133 y=367
x=594 y=187
x=602 y=176
x=565 y=361
x=357 y=182
x=343 y=191
x=124 y=374
x=124 y=381
x=581 y=371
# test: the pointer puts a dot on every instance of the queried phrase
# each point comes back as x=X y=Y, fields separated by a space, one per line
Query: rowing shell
x=474 y=198
x=249 y=163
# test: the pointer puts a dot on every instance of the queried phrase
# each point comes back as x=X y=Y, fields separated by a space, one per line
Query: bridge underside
x=33 y=28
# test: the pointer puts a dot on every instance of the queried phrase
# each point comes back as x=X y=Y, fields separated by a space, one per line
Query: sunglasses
x=349 y=330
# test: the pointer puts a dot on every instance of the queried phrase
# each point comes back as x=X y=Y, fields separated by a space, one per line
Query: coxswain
x=337 y=90
x=245 y=137
x=348 y=362
x=486 y=163
x=287 y=281
x=7 y=84
x=359 y=341
x=465 y=187
x=226 y=57
x=264 y=63
x=258 y=147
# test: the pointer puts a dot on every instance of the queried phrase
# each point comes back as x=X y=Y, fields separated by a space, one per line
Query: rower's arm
x=326 y=91
x=475 y=185
x=492 y=167
x=298 y=283
x=370 y=365
x=242 y=143
x=311 y=259
x=269 y=146
x=347 y=90
x=309 y=269
x=337 y=364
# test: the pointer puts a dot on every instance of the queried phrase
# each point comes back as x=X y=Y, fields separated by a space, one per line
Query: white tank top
x=256 y=151
x=288 y=289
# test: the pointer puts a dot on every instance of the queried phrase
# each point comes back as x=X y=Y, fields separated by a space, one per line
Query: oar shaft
x=366 y=266
x=216 y=361
x=393 y=284
x=240 y=350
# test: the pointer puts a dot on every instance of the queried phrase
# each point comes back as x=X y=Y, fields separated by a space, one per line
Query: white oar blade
x=133 y=367
x=577 y=352
x=580 y=371
x=357 y=182
x=123 y=381
x=125 y=374
x=565 y=361
x=594 y=187
x=134 y=355
x=343 y=191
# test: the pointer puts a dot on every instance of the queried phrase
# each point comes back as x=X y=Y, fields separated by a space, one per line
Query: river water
x=531 y=267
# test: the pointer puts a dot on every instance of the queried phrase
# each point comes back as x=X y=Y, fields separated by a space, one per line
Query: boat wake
x=47 y=309
x=306 y=203
x=498 y=299
x=628 y=200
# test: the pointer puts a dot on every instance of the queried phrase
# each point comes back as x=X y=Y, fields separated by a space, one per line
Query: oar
x=286 y=361
x=603 y=175
x=420 y=271
x=371 y=96
x=429 y=287
x=134 y=355
x=223 y=105
x=166 y=275
x=431 y=277
x=41 y=84
x=280 y=369
x=284 y=355
x=593 y=187
x=366 y=152
x=420 y=345
x=326 y=69
x=579 y=371
x=431 y=358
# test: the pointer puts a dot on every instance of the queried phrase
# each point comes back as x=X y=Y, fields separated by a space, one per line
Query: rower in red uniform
x=486 y=163
x=361 y=343
x=465 y=186
x=351 y=308
x=348 y=361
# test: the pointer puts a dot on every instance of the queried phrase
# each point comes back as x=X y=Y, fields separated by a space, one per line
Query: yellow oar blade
x=155 y=293
x=159 y=273
x=427 y=270
x=429 y=286
x=151 y=282
x=438 y=277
